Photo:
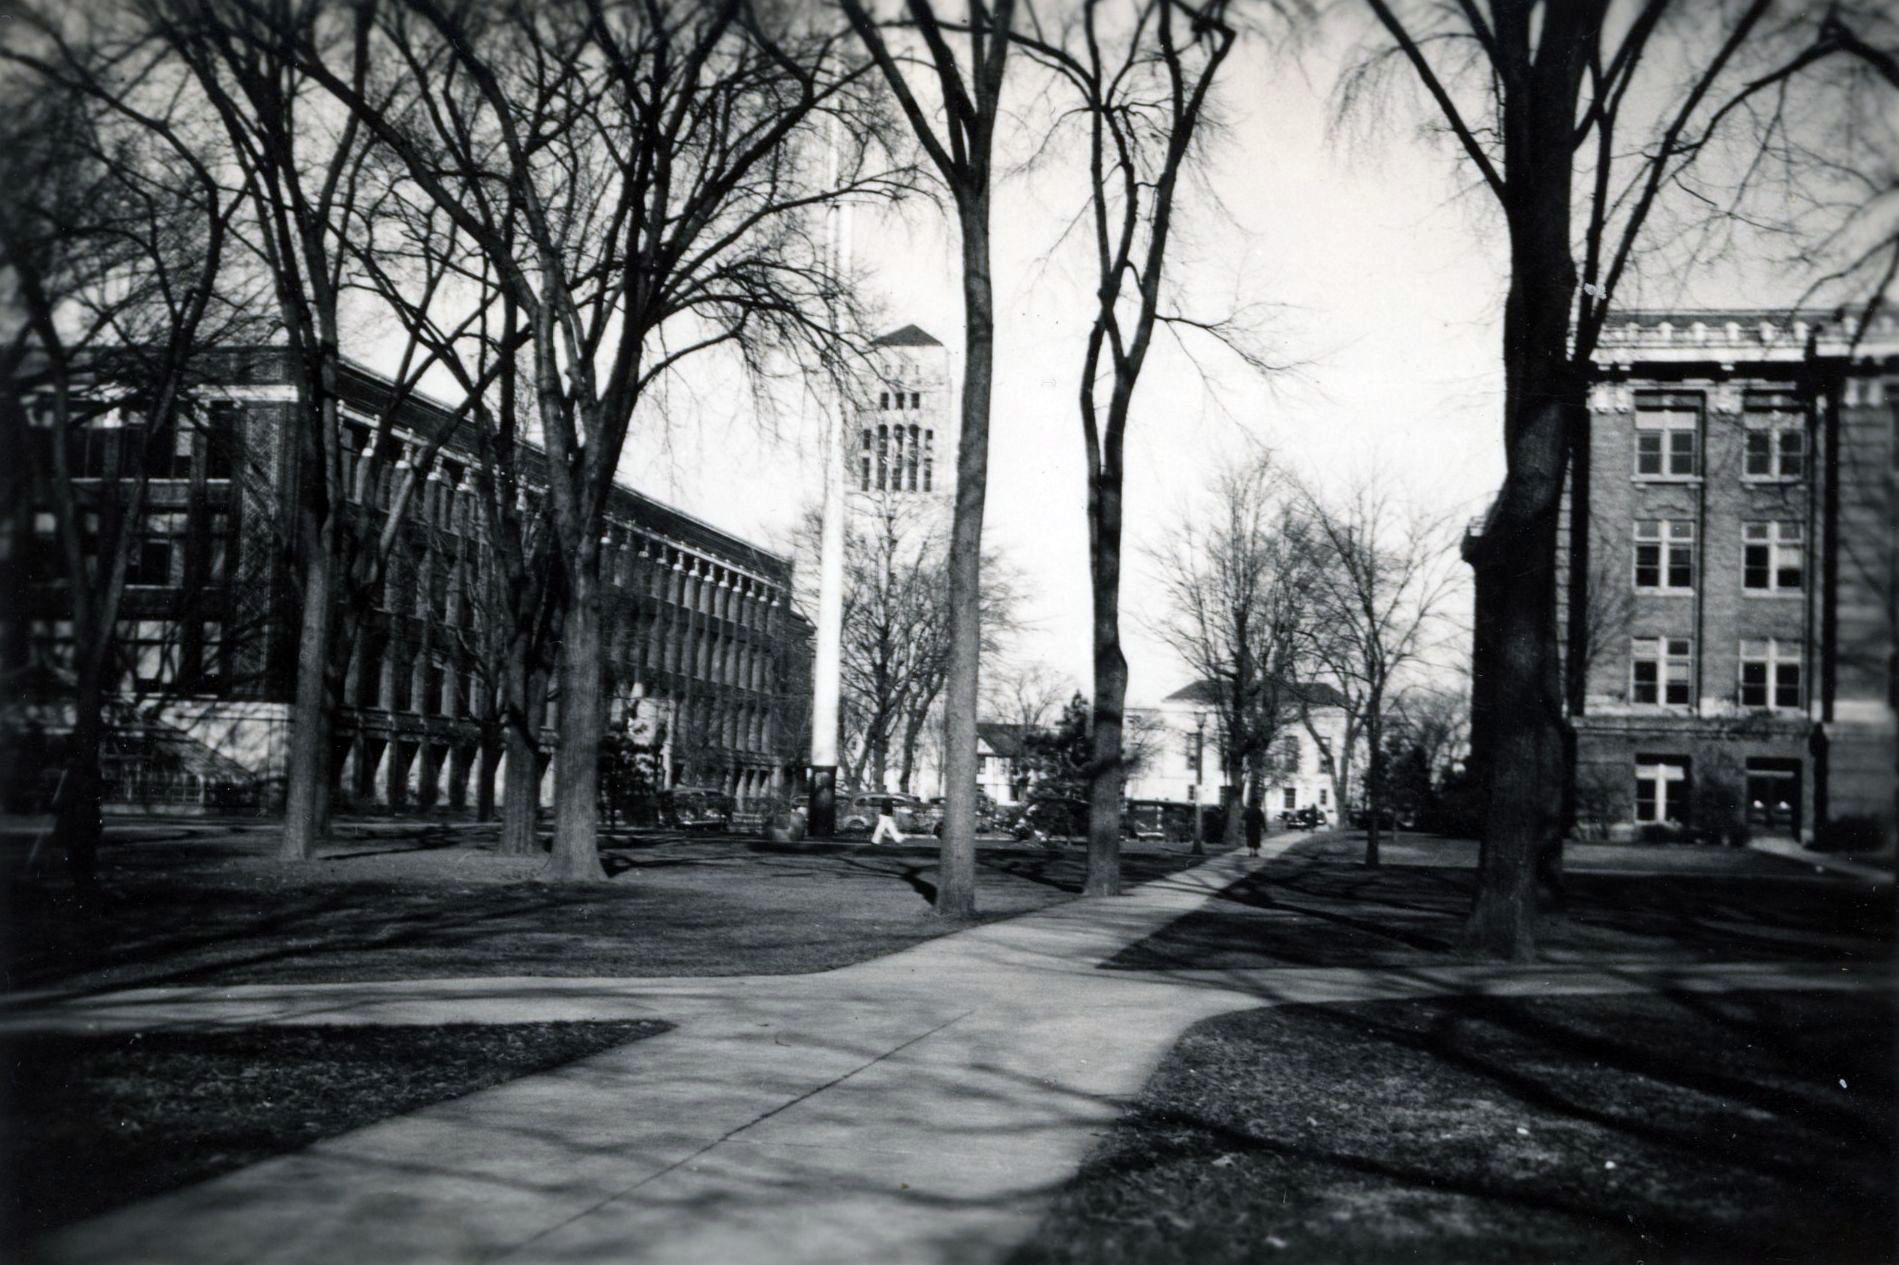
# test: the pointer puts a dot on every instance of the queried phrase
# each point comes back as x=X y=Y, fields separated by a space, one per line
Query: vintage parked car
x=1311 y=817
x=695 y=808
x=860 y=812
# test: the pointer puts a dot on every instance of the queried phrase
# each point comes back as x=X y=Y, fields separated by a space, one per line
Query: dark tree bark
x=1548 y=82
x=1141 y=102
x=961 y=156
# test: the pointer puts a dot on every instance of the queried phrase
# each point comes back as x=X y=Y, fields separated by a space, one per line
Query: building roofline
x=447 y=413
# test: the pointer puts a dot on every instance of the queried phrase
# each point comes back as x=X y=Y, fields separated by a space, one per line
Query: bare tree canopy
x=1589 y=125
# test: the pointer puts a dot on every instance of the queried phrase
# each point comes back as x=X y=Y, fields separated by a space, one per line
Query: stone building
x=1728 y=600
x=708 y=664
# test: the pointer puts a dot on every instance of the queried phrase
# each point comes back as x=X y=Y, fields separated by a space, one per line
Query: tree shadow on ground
x=1332 y=914
x=1680 y=1128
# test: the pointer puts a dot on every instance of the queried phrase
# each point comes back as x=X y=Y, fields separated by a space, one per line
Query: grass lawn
x=98 y=1121
x=1315 y=907
x=1733 y=1128
x=196 y=903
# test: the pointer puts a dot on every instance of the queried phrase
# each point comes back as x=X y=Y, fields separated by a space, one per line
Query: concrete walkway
x=921 y=1107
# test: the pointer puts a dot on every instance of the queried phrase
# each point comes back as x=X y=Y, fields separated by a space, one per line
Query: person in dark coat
x=1255 y=820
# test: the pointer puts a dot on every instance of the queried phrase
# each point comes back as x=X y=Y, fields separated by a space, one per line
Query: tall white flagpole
x=827 y=677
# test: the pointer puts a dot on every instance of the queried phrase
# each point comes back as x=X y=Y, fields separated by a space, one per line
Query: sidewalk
x=1877 y=869
x=915 y=1108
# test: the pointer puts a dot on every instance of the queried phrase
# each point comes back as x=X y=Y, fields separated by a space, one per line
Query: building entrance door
x=1773 y=797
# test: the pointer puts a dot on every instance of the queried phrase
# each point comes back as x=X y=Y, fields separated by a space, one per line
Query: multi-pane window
x=1665 y=555
x=929 y=457
x=1661 y=789
x=1771 y=674
x=1291 y=797
x=916 y=399
x=52 y=642
x=1668 y=439
x=863 y=474
x=1773 y=557
x=158 y=557
x=1776 y=437
x=211 y=657
x=151 y=649
x=1661 y=671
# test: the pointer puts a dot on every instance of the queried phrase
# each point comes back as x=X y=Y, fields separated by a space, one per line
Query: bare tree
x=1579 y=119
x=961 y=152
x=1378 y=577
x=659 y=205
x=1140 y=75
x=1234 y=582
x=113 y=234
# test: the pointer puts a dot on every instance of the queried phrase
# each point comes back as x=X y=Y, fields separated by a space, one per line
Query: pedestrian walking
x=886 y=823
x=1255 y=819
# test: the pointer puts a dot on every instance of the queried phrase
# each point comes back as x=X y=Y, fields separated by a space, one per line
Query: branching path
x=918 y=1107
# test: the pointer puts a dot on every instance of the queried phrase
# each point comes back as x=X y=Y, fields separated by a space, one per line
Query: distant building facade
x=708 y=664
x=1727 y=602
x=1181 y=740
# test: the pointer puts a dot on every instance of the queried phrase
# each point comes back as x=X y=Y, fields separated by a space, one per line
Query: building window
x=221 y=441
x=913 y=459
x=211 y=658
x=1661 y=671
x=168 y=452
x=1661 y=789
x=883 y=457
x=1776 y=437
x=1665 y=555
x=863 y=482
x=151 y=652
x=1324 y=799
x=158 y=556
x=1668 y=438
x=1773 y=557
x=916 y=399
x=52 y=642
x=1290 y=797
x=883 y=400
x=1770 y=674
x=929 y=457
x=900 y=401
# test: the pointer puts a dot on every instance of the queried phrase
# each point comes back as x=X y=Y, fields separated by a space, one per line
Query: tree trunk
x=525 y=711
x=1524 y=746
x=487 y=764
x=1107 y=736
x=1520 y=688
x=576 y=852
x=1374 y=781
x=956 y=878
x=1232 y=826
x=309 y=715
x=76 y=825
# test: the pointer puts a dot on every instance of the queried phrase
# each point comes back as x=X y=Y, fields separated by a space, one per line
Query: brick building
x=1728 y=600
x=708 y=666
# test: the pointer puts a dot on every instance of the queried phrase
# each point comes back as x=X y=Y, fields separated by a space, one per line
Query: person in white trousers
x=886 y=824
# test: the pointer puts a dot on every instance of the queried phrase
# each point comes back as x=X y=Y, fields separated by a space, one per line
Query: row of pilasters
x=398 y=772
